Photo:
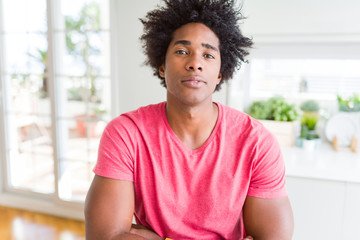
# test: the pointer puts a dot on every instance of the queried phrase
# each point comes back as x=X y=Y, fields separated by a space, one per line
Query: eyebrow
x=205 y=45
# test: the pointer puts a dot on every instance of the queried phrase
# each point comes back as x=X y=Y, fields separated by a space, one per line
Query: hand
x=144 y=232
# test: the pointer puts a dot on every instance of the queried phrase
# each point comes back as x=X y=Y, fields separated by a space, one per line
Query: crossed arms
x=109 y=210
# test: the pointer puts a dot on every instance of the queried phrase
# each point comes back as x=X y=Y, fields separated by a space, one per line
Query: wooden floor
x=16 y=224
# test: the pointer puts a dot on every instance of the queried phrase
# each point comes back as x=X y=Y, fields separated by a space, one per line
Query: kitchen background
x=68 y=67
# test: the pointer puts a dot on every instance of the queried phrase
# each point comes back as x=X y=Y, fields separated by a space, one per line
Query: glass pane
x=67 y=63
x=74 y=180
x=93 y=14
x=24 y=15
x=83 y=54
x=298 y=80
x=28 y=94
x=82 y=96
x=29 y=146
x=100 y=55
x=83 y=89
x=313 y=76
x=25 y=52
x=81 y=138
x=31 y=154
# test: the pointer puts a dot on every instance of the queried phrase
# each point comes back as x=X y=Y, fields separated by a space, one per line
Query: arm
x=109 y=209
x=268 y=218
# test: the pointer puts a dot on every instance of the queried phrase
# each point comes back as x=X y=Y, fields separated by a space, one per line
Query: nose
x=194 y=64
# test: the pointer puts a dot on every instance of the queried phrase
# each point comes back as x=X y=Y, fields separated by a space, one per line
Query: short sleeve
x=116 y=150
x=268 y=169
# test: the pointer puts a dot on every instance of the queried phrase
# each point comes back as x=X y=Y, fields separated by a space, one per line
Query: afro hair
x=218 y=15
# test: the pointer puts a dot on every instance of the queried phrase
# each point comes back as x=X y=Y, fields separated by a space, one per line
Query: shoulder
x=139 y=116
x=147 y=113
x=241 y=122
x=245 y=131
x=142 y=120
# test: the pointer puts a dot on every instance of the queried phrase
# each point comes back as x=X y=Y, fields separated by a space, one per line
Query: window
x=298 y=72
x=55 y=79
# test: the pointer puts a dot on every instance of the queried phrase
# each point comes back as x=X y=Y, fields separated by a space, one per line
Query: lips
x=193 y=81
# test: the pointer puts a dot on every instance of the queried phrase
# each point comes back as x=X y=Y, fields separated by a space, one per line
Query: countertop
x=324 y=163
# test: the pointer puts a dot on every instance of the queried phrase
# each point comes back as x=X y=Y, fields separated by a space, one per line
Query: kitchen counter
x=323 y=163
x=324 y=190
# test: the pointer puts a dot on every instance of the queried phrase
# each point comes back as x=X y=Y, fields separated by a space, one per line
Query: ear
x=162 y=71
x=219 y=78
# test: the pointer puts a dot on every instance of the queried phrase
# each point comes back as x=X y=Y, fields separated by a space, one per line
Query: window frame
x=50 y=203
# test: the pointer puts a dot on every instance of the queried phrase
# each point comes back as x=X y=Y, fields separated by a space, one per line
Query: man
x=189 y=168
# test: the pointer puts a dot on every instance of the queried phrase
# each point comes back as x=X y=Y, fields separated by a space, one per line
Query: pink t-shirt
x=192 y=194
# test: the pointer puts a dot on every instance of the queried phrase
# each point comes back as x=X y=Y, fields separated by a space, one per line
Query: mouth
x=194 y=80
x=194 y=84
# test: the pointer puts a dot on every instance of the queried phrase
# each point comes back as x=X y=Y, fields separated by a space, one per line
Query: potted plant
x=349 y=104
x=310 y=107
x=275 y=108
x=309 y=139
x=278 y=116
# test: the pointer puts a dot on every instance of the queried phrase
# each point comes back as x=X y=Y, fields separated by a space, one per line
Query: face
x=192 y=64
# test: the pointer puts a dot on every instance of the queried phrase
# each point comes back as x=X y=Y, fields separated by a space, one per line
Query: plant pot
x=311 y=145
x=284 y=131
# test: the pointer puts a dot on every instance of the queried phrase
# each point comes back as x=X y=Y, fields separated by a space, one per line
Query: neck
x=193 y=125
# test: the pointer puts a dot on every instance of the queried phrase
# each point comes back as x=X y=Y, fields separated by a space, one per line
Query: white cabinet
x=351 y=223
x=318 y=208
x=324 y=191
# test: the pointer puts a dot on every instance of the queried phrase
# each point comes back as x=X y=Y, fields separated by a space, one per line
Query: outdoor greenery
x=275 y=108
x=41 y=57
x=79 y=32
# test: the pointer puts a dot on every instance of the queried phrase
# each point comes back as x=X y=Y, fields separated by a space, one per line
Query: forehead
x=196 y=33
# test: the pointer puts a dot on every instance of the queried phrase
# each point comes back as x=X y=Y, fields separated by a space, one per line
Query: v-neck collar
x=177 y=139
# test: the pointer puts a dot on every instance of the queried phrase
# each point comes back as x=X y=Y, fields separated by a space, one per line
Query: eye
x=209 y=56
x=183 y=52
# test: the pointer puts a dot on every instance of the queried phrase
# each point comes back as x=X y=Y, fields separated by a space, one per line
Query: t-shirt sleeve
x=116 y=150
x=268 y=169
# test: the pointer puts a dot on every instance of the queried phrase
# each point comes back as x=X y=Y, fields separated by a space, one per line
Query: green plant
x=310 y=121
x=259 y=110
x=275 y=108
x=308 y=126
x=349 y=104
x=310 y=106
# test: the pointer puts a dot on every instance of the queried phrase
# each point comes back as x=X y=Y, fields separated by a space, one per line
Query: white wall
x=302 y=17
x=135 y=84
